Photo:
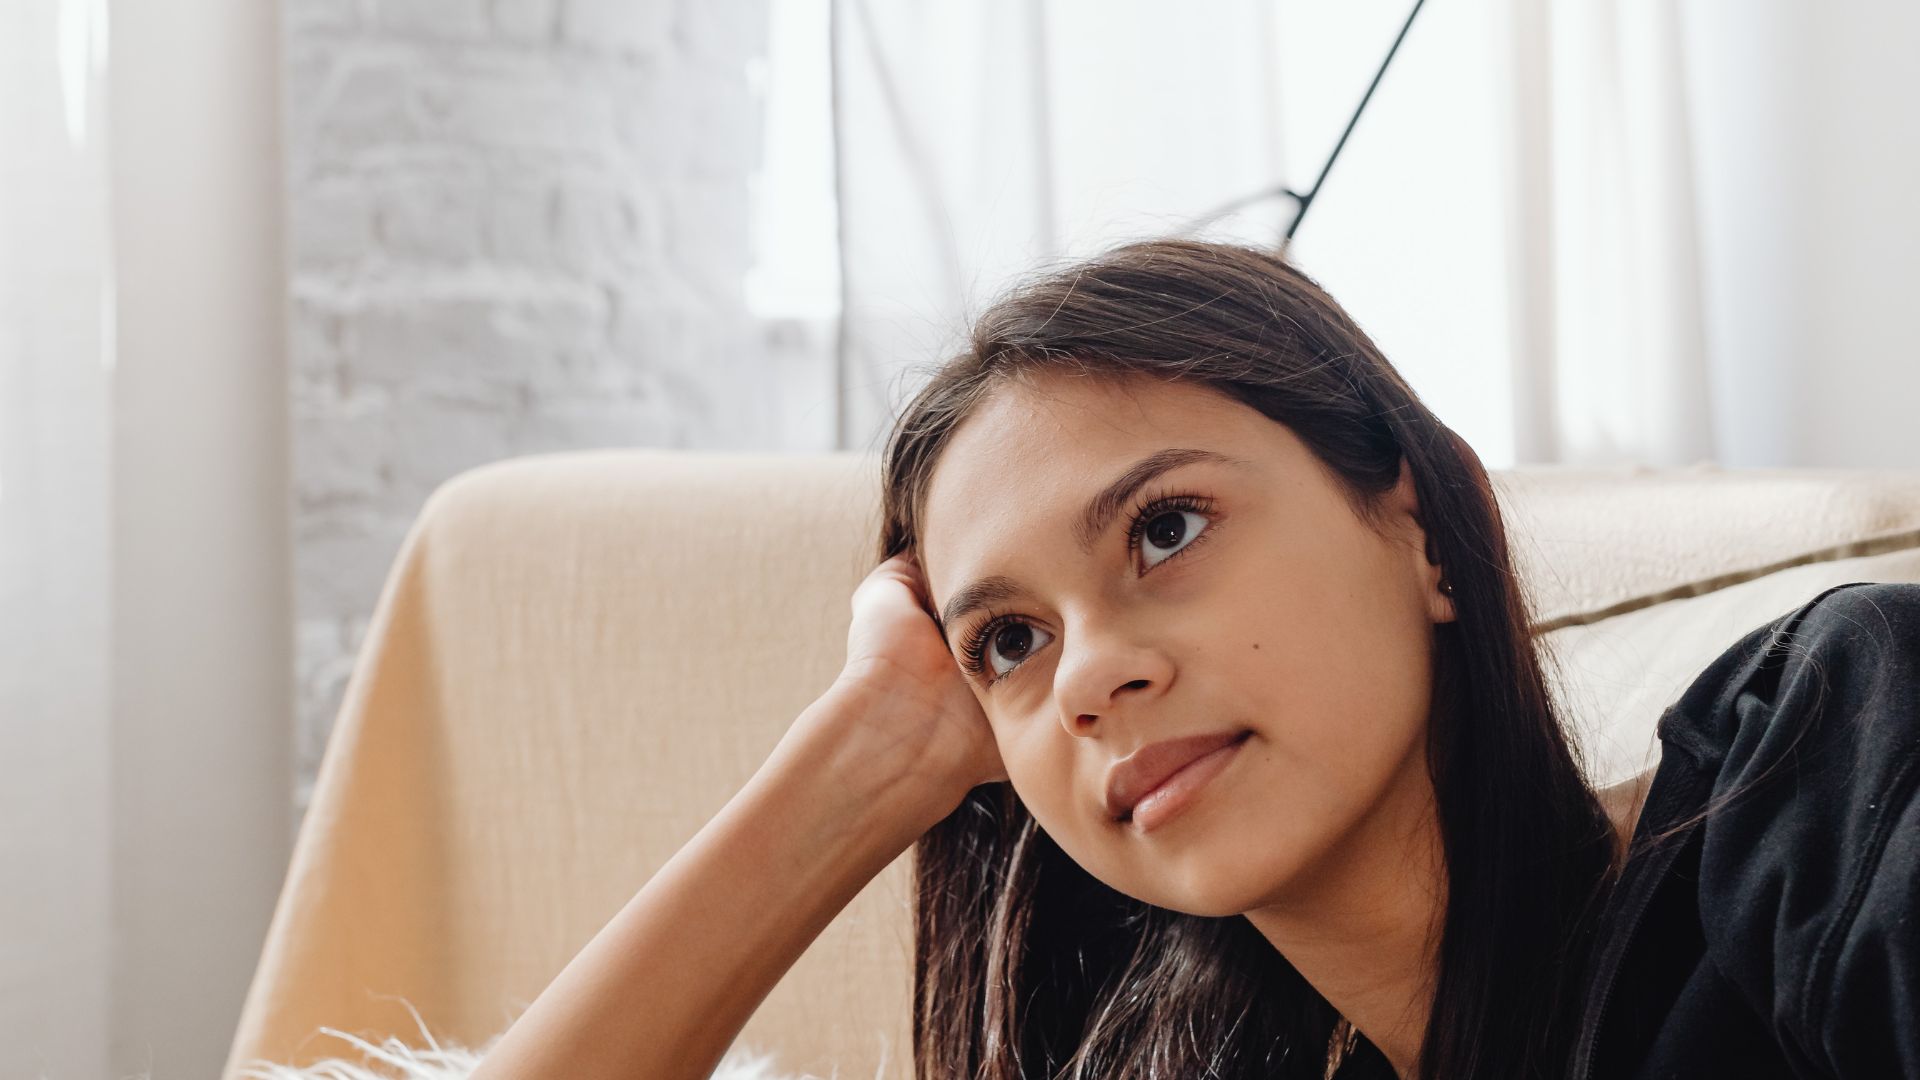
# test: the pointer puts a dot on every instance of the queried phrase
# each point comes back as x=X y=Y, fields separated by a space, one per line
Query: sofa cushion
x=1613 y=678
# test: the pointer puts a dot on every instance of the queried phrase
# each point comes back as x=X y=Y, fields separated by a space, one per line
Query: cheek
x=1041 y=770
x=1349 y=702
x=1341 y=679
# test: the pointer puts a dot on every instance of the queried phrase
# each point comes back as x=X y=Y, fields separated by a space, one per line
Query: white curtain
x=1512 y=220
x=978 y=140
x=1611 y=362
x=145 y=682
x=56 y=389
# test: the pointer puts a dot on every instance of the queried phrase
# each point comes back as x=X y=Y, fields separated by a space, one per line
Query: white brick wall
x=516 y=226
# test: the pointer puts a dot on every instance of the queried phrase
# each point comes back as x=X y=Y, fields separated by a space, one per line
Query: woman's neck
x=1623 y=802
x=1363 y=925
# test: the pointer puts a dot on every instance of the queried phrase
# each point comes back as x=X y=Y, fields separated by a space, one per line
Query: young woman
x=1196 y=672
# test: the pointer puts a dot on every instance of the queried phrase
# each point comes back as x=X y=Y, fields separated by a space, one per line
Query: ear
x=1405 y=502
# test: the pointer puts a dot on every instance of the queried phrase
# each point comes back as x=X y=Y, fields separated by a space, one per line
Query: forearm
x=666 y=986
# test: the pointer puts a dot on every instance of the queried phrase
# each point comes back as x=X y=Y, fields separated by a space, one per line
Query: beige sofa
x=578 y=658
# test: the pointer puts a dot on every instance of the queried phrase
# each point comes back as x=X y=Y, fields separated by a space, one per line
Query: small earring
x=1446 y=586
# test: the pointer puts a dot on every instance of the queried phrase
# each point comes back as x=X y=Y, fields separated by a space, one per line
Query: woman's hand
x=905 y=691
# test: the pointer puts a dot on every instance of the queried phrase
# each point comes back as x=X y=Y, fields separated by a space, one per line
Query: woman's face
x=1253 y=601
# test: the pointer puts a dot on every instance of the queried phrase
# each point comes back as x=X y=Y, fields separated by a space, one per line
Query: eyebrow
x=1094 y=519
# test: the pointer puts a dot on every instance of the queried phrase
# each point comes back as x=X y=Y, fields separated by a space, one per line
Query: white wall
x=516 y=226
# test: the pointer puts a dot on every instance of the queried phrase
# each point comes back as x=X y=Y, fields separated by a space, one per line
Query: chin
x=1213 y=880
x=1205 y=907
x=1211 y=892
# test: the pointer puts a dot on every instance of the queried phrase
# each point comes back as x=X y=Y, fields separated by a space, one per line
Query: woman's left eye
x=1166 y=533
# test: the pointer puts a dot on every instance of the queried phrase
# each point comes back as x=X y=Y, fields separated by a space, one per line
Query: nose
x=1104 y=673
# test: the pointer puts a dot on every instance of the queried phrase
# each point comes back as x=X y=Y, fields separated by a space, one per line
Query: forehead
x=1031 y=453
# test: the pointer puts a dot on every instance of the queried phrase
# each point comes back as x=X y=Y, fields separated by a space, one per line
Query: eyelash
x=973 y=649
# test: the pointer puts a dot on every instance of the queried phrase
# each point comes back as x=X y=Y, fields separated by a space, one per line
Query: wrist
x=843 y=741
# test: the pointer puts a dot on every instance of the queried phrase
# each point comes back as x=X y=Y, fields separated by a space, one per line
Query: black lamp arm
x=1304 y=201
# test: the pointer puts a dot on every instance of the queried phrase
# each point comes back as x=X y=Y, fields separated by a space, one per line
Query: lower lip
x=1176 y=791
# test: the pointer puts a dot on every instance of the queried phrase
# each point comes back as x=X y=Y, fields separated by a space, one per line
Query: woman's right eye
x=1012 y=642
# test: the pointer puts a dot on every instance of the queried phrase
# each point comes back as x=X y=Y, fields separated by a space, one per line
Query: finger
x=922 y=592
x=905 y=568
x=893 y=569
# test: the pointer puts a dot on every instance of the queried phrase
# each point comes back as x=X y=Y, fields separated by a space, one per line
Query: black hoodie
x=1779 y=937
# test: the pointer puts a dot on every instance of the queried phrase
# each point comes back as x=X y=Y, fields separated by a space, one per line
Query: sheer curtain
x=56 y=389
x=1611 y=362
x=1512 y=220
x=977 y=141
x=145 y=681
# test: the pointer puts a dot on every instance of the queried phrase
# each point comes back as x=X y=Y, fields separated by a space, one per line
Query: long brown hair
x=1027 y=966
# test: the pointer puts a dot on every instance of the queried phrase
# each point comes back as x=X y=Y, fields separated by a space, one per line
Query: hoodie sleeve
x=1810 y=882
x=1867 y=1009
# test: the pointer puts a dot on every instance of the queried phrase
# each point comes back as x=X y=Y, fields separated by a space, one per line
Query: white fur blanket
x=435 y=1060
x=395 y=1060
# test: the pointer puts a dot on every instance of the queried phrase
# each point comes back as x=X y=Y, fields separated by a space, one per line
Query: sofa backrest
x=579 y=658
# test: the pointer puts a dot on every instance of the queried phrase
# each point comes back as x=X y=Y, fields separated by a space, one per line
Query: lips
x=1131 y=778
